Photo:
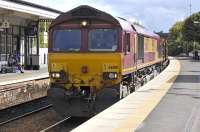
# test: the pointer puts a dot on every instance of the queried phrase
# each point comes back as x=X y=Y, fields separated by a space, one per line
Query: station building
x=21 y=32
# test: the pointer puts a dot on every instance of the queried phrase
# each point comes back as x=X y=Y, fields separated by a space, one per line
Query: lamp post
x=194 y=43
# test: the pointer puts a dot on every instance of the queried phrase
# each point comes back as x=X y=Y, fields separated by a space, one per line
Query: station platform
x=10 y=78
x=168 y=103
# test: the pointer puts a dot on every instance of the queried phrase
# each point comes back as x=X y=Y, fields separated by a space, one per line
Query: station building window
x=18 y=39
x=2 y=47
x=10 y=41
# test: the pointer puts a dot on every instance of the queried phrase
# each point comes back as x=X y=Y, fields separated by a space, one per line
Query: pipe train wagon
x=96 y=59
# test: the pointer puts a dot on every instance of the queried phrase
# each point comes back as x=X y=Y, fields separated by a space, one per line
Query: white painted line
x=25 y=79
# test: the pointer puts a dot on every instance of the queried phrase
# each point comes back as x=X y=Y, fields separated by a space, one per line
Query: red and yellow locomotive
x=96 y=59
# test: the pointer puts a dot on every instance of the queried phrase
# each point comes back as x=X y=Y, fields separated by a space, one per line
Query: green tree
x=176 y=32
x=183 y=33
x=191 y=28
x=175 y=40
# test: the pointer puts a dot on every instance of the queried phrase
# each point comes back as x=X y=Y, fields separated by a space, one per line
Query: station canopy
x=19 y=10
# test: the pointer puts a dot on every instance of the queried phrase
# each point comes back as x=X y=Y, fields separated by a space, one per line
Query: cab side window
x=127 y=42
x=140 y=47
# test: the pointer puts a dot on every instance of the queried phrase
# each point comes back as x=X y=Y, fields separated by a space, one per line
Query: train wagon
x=96 y=59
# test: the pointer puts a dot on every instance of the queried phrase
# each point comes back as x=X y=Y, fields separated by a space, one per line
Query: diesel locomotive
x=96 y=59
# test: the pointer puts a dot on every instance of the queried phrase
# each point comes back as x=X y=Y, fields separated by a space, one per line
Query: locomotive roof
x=124 y=24
x=141 y=30
x=87 y=12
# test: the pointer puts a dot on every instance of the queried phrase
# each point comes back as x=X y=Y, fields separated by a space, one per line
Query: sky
x=155 y=15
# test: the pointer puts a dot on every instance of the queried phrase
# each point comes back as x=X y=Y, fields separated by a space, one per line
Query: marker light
x=58 y=75
x=84 y=23
x=55 y=75
x=110 y=75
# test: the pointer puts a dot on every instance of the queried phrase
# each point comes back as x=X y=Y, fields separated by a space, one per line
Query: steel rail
x=26 y=114
x=54 y=125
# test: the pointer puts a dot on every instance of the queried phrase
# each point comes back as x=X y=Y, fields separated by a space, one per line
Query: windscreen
x=67 y=40
x=103 y=40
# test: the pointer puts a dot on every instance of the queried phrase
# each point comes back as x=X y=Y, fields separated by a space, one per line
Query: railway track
x=36 y=117
x=56 y=124
x=24 y=115
x=65 y=125
x=19 y=111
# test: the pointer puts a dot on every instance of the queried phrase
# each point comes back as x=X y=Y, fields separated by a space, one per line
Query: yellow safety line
x=137 y=117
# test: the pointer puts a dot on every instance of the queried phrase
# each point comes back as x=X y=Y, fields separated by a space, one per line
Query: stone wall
x=14 y=94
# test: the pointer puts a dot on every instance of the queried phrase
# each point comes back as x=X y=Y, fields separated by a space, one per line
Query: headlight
x=110 y=75
x=55 y=75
